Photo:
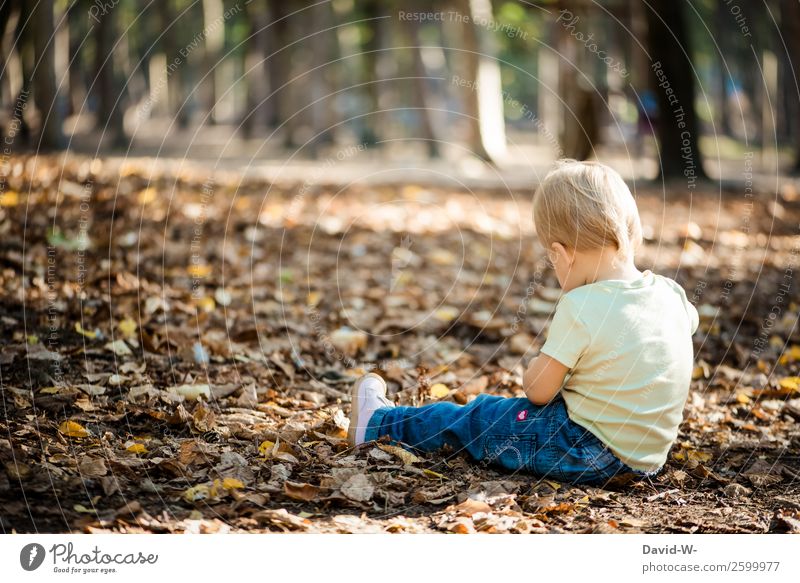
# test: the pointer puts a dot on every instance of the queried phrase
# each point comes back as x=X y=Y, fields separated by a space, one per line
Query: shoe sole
x=351 y=431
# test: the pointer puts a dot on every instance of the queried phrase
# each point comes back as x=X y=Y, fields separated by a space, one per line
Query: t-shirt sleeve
x=568 y=337
x=694 y=318
x=691 y=311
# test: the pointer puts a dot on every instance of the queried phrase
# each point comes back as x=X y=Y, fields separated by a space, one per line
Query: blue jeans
x=511 y=433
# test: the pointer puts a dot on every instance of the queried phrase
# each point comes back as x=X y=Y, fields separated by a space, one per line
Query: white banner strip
x=235 y=558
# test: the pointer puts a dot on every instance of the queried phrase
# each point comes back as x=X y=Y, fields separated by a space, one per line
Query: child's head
x=586 y=207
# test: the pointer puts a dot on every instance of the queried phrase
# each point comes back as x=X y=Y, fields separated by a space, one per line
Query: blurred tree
x=214 y=39
x=278 y=63
x=722 y=22
x=16 y=76
x=790 y=24
x=371 y=44
x=324 y=50
x=420 y=92
x=677 y=127
x=106 y=86
x=580 y=122
x=175 y=88
x=484 y=102
x=34 y=40
x=45 y=93
x=258 y=110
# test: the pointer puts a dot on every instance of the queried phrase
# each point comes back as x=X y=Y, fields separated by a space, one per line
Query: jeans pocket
x=600 y=457
x=512 y=452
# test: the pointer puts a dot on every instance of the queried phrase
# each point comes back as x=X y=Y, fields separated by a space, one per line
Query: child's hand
x=543 y=378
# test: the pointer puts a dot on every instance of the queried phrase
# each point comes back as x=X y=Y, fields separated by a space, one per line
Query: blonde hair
x=586 y=206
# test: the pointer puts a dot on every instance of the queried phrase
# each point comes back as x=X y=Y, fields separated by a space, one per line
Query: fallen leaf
x=469 y=507
x=127 y=328
x=119 y=348
x=232 y=484
x=72 y=429
x=195 y=493
x=301 y=491
x=79 y=329
x=191 y=392
x=439 y=391
x=405 y=456
x=461 y=525
x=358 y=488
x=348 y=341
x=136 y=448
x=93 y=467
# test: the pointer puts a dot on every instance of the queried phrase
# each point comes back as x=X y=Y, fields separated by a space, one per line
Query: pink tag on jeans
x=522 y=415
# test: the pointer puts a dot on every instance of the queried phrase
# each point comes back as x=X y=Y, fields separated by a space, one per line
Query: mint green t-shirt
x=628 y=345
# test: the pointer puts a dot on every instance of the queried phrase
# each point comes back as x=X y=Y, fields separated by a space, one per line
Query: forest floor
x=176 y=354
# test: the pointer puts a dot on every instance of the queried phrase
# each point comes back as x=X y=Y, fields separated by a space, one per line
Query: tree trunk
x=790 y=20
x=278 y=63
x=175 y=104
x=214 y=41
x=322 y=45
x=671 y=69
x=580 y=122
x=419 y=92
x=373 y=10
x=484 y=101
x=721 y=28
x=44 y=76
x=258 y=111
x=109 y=112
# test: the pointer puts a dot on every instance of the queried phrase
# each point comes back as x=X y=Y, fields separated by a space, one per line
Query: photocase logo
x=31 y=556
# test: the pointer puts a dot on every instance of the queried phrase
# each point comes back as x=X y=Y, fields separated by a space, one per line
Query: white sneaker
x=368 y=395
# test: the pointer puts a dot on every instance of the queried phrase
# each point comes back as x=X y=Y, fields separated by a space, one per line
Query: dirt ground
x=177 y=350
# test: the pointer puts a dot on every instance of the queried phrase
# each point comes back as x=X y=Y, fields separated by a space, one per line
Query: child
x=605 y=396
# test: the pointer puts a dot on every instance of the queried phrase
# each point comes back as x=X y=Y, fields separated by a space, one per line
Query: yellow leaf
x=206 y=303
x=700 y=456
x=701 y=371
x=405 y=456
x=136 y=448
x=72 y=429
x=742 y=398
x=232 y=484
x=49 y=390
x=446 y=314
x=790 y=383
x=195 y=493
x=442 y=257
x=79 y=329
x=439 y=391
x=81 y=508
x=9 y=198
x=215 y=486
x=313 y=298
x=199 y=271
x=147 y=196
x=127 y=327
x=265 y=449
x=33 y=339
x=433 y=474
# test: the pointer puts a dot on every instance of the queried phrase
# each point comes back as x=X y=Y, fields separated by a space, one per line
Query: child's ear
x=566 y=255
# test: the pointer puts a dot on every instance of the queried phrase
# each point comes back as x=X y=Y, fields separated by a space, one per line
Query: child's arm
x=543 y=378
